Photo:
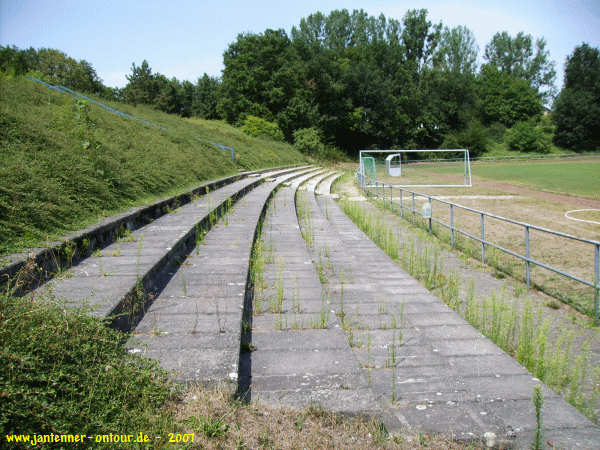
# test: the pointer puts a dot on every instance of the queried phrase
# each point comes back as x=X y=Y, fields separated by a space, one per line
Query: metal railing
x=77 y=95
x=379 y=190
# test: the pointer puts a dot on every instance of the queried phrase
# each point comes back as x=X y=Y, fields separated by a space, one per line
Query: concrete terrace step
x=300 y=358
x=50 y=260
x=324 y=187
x=428 y=367
x=119 y=282
x=194 y=326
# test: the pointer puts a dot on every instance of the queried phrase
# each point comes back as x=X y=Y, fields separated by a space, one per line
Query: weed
x=101 y=374
x=69 y=252
x=125 y=235
x=183 y=284
x=117 y=251
x=538 y=402
x=212 y=428
x=552 y=304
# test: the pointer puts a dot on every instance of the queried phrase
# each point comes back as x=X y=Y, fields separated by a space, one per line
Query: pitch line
x=582 y=220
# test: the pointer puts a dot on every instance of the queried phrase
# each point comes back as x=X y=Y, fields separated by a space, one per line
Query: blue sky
x=185 y=38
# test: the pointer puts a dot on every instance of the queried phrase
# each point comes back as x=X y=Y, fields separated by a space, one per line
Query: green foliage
x=516 y=56
x=577 y=109
x=67 y=163
x=528 y=137
x=505 y=98
x=259 y=76
x=308 y=140
x=66 y=372
x=538 y=403
x=206 y=97
x=259 y=127
x=52 y=66
x=474 y=138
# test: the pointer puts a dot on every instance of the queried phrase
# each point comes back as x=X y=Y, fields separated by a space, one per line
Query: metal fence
x=77 y=95
x=405 y=199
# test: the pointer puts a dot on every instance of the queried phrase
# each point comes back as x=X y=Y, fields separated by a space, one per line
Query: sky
x=187 y=38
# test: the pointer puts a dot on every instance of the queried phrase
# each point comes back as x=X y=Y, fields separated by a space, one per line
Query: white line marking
x=581 y=220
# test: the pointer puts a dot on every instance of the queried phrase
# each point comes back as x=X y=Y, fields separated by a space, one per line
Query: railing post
x=391 y=204
x=401 y=205
x=527 y=266
x=383 y=194
x=414 y=211
x=452 y=224
x=597 y=287
x=430 y=216
x=482 y=238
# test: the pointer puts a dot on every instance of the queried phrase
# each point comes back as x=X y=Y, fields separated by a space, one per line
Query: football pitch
x=571 y=177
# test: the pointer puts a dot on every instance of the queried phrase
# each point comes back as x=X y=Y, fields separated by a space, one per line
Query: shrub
x=474 y=138
x=66 y=372
x=308 y=140
x=257 y=126
x=527 y=137
x=497 y=131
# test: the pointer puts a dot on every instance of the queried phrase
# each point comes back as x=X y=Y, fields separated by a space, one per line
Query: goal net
x=416 y=168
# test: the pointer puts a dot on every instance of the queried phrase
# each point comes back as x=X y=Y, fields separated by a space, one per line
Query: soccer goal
x=416 y=168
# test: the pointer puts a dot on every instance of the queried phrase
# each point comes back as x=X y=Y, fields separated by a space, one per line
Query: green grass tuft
x=66 y=372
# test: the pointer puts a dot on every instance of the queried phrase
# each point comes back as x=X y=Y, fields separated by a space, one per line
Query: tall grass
x=521 y=332
x=66 y=163
x=65 y=372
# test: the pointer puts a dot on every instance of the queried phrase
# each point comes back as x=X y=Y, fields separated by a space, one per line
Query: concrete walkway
x=110 y=282
x=427 y=366
x=301 y=356
x=194 y=327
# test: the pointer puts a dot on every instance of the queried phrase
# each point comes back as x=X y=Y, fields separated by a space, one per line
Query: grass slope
x=571 y=177
x=67 y=163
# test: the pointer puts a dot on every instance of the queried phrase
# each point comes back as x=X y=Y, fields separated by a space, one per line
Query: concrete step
x=194 y=326
x=25 y=272
x=300 y=357
x=118 y=282
x=428 y=368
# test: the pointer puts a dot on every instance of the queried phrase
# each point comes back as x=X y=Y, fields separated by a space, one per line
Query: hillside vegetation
x=66 y=163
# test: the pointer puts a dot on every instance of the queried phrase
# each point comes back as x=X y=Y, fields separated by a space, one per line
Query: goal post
x=416 y=168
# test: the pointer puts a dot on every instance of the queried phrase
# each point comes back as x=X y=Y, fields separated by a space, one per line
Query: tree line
x=350 y=80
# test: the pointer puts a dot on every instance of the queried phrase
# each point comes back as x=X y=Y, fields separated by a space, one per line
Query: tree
x=516 y=56
x=142 y=86
x=457 y=51
x=419 y=38
x=259 y=76
x=505 y=98
x=577 y=108
x=55 y=66
x=206 y=97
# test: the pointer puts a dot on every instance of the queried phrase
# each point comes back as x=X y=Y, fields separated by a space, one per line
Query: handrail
x=366 y=184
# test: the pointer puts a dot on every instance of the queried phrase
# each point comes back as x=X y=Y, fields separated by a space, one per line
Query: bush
x=474 y=138
x=497 y=131
x=67 y=373
x=257 y=126
x=528 y=137
x=308 y=140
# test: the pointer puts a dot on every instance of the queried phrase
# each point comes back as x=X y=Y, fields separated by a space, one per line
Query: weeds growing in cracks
x=520 y=331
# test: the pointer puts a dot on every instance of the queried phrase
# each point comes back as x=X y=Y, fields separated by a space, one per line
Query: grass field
x=496 y=190
x=571 y=176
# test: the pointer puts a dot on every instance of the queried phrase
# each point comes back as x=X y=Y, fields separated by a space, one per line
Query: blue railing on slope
x=74 y=94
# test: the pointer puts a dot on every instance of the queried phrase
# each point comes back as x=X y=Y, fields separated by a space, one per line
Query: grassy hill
x=68 y=163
